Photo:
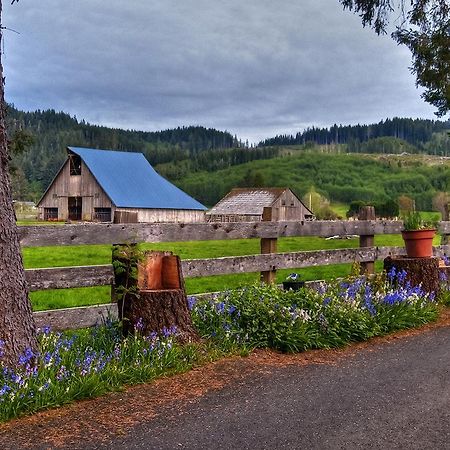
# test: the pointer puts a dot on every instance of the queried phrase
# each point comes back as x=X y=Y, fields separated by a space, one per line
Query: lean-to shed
x=106 y=186
x=247 y=205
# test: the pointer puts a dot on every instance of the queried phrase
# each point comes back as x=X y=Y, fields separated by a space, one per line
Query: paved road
x=395 y=395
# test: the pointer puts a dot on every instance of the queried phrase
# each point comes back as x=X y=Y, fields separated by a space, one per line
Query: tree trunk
x=17 y=327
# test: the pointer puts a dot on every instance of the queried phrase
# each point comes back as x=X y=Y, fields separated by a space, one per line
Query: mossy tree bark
x=17 y=327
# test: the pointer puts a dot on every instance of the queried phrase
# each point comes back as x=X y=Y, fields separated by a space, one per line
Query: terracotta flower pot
x=419 y=243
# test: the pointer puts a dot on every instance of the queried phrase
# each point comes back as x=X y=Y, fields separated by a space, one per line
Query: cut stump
x=157 y=302
x=423 y=271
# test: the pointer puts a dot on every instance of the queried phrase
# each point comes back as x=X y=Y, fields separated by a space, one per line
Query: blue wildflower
x=391 y=274
x=401 y=277
x=27 y=356
x=368 y=304
x=191 y=302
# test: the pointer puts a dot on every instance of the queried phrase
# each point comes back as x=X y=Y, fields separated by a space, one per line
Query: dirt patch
x=102 y=419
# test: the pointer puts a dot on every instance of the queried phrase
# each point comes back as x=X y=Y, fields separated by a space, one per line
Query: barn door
x=75 y=207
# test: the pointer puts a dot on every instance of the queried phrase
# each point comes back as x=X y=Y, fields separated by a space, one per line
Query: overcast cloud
x=253 y=67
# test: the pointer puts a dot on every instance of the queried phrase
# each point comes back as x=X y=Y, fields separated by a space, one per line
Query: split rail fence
x=267 y=262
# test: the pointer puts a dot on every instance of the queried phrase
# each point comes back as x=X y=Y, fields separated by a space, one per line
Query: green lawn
x=36 y=257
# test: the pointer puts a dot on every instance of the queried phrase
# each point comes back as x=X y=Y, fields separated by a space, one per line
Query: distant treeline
x=418 y=133
x=178 y=151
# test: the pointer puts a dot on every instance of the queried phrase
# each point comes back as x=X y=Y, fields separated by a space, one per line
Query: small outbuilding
x=113 y=186
x=247 y=205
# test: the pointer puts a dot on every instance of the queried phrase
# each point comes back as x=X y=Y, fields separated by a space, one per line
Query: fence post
x=368 y=240
x=269 y=245
x=445 y=218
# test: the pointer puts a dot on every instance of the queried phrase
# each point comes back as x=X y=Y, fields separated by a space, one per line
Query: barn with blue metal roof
x=107 y=185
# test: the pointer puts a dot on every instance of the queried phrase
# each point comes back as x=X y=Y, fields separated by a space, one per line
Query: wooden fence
x=267 y=262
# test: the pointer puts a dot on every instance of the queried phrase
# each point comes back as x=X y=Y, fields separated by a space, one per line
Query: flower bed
x=90 y=362
x=334 y=315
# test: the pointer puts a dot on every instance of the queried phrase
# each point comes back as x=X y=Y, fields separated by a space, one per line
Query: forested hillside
x=179 y=151
x=338 y=177
x=207 y=163
x=389 y=136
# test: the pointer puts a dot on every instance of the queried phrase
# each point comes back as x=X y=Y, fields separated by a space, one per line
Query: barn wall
x=166 y=215
x=291 y=208
x=66 y=185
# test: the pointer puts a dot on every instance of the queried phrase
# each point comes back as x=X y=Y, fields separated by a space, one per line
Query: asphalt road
x=390 y=396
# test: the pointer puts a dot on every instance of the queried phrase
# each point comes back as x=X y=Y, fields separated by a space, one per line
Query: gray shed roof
x=131 y=182
x=247 y=201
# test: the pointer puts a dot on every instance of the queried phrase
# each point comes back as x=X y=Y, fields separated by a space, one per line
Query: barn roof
x=131 y=182
x=247 y=201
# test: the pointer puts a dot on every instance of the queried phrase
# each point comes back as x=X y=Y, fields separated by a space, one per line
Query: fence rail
x=267 y=262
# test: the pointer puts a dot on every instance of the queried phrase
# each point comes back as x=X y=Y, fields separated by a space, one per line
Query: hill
x=46 y=134
x=207 y=163
x=389 y=136
x=339 y=177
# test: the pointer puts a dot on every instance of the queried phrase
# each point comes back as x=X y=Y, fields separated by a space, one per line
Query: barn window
x=50 y=213
x=102 y=214
x=75 y=164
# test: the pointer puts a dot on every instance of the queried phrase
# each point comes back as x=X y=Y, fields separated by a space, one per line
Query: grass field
x=101 y=254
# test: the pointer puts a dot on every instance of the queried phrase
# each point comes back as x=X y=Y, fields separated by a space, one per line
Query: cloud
x=255 y=68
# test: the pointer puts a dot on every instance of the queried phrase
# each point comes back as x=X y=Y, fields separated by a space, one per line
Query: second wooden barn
x=106 y=186
x=247 y=205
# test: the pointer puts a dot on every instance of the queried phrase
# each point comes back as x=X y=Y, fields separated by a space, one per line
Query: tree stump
x=155 y=300
x=423 y=271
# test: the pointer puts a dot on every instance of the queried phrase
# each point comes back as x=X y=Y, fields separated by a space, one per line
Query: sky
x=256 y=68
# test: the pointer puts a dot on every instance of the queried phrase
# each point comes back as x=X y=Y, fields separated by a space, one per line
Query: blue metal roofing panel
x=131 y=182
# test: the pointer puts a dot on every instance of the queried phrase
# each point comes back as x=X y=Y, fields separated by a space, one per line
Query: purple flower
x=401 y=276
x=27 y=356
x=4 y=389
x=368 y=301
x=391 y=274
x=139 y=325
x=191 y=302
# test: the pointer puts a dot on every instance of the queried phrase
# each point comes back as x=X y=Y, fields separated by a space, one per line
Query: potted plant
x=293 y=282
x=418 y=235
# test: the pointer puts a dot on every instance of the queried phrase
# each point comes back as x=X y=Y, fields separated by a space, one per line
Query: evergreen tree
x=425 y=30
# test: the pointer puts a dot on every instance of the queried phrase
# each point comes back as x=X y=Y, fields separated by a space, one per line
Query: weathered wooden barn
x=107 y=186
x=247 y=205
